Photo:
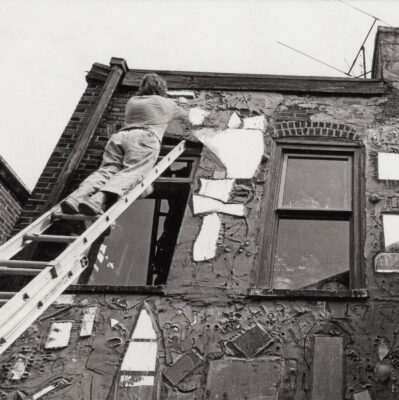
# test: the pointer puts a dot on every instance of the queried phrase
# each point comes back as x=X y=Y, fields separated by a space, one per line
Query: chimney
x=386 y=54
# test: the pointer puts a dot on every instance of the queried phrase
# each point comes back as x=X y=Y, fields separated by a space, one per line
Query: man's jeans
x=128 y=157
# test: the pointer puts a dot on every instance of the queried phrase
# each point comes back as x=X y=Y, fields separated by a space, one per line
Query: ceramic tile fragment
x=234 y=121
x=134 y=381
x=181 y=93
x=18 y=368
x=114 y=322
x=235 y=379
x=218 y=189
x=255 y=123
x=387 y=262
x=383 y=350
x=196 y=115
x=253 y=341
x=364 y=395
x=391 y=229
x=89 y=316
x=140 y=356
x=388 y=166
x=58 y=336
x=203 y=205
x=182 y=367
x=238 y=150
x=65 y=299
x=205 y=244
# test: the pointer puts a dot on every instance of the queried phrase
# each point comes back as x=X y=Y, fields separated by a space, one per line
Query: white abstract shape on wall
x=388 y=166
x=89 y=316
x=197 y=115
x=234 y=121
x=218 y=189
x=204 y=205
x=391 y=229
x=181 y=93
x=144 y=328
x=258 y=122
x=239 y=150
x=141 y=355
x=58 y=335
x=206 y=242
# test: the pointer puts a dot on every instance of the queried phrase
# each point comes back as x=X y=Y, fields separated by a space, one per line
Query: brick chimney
x=386 y=55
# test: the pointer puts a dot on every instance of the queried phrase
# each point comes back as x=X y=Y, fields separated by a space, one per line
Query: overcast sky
x=46 y=47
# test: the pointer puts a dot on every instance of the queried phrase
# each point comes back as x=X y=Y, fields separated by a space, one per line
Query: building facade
x=263 y=266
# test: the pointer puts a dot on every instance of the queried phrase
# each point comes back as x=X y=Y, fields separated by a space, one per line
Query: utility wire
x=315 y=59
x=362 y=45
x=364 y=12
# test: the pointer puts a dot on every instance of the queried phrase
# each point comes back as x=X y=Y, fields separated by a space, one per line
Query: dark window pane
x=179 y=169
x=317 y=183
x=311 y=253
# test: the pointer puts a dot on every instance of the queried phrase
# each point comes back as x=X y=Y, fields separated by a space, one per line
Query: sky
x=47 y=47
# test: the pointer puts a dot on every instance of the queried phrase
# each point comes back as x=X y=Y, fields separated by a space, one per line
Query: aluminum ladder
x=51 y=278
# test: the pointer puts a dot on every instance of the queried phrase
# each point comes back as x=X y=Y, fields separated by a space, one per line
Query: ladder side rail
x=31 y=301
x=108 y=218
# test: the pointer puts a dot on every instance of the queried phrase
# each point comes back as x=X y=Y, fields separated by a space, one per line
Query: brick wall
x=49 y=177
x=10 y=208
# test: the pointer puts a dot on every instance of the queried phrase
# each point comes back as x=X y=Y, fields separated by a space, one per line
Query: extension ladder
x=51 y=278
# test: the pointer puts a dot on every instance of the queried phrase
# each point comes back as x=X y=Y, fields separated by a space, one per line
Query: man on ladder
x=132 y=152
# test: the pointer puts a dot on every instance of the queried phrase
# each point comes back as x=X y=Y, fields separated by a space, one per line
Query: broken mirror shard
x=206 y=242
x=204 y=205
x=328 y=364
x=253 y=341
x=137 y=373
x=238 y=150
x=182 y=367
x=387 y=262
x=236 y=379
x=89 y=316
x=391 y=229
x=388 y=166
x=318 y=183
x=58 y=335
x=311 y=253
x=218 y=189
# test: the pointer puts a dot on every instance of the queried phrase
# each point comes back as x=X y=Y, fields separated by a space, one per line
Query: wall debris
x=205 y=244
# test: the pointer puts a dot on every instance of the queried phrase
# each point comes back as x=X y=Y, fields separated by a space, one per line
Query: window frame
x=273 y=194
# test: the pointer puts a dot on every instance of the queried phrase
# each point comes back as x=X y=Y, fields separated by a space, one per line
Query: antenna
x=313 y=58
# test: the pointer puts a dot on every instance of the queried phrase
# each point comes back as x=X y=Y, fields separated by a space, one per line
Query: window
x=312 y=238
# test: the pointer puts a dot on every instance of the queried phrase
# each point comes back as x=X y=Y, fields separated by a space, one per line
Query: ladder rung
x=74 y=217
x=19 y=271
x=24 y=264
x=50 y=238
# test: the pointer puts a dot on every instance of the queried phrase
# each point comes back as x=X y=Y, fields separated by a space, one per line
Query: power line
x=364 y=12
x=313 y=58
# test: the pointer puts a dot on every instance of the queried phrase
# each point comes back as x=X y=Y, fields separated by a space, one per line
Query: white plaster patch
x=204 y=205
x=89 y=316
x=114 y=322
x=18 y=368
x=219 y=189
x=65 y=299
x=388 y=166
x=391 y=229
x=234 y=121
x=144 y=328
x=239 y=150
x=58 y=336
x=133 y=381
x=205 y=244
x=196 y=115
x=258 y=122
x=181 y=93
x=140 y=356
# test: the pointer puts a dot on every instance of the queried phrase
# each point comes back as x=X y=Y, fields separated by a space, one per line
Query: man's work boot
x=70 y=205
x=94 y=205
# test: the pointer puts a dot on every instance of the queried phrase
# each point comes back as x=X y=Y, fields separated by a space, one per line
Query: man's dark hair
x=152 y=84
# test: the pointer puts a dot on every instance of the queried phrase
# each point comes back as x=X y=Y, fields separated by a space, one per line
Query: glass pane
x=317 y=183
x=311 y=253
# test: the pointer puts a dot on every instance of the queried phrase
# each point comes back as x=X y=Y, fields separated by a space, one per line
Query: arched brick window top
x=314 y=129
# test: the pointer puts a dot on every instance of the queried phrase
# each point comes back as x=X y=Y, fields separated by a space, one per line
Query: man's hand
x=196 y=116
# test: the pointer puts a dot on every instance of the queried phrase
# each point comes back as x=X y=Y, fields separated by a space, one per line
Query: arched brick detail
x=312 y=129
